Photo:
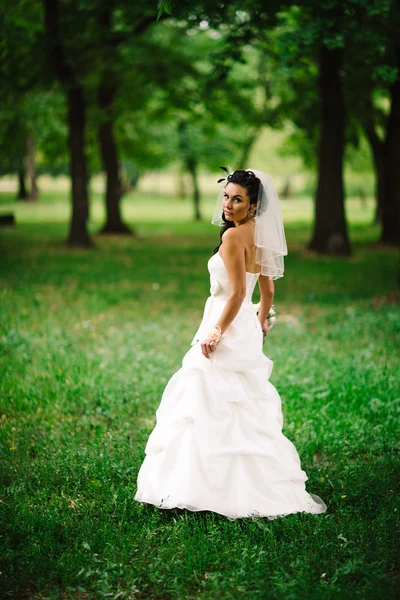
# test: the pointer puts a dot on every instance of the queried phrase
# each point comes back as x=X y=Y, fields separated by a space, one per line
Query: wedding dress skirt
x=217 y=444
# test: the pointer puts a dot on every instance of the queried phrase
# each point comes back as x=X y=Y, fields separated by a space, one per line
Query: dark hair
x=252 y=184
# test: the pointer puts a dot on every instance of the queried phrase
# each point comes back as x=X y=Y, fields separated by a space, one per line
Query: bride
x=218 y=444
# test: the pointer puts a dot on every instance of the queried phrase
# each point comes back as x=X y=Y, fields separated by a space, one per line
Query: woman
x=218 y=444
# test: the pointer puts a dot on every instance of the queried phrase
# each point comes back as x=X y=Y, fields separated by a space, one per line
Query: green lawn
x=89 y=339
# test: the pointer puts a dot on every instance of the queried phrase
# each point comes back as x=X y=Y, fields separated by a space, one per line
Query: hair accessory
x=227 y=173
x=269 y=233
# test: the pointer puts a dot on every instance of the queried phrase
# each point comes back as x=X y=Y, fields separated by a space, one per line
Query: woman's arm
x=235 y=265
x=267 y=290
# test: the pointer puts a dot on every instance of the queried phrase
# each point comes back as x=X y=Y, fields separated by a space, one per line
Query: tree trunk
x=391 y=204
x=133 y=181
x=31 y=168
x=180 y=186
x=78 y=234
x=106 y=96
x=247 y=148
x=377 y=149
x=330 y=228
x=109 y=155
x=22 y=192
x=192 y=168
x=398 y=273
x=287 y=189
x=190 y=162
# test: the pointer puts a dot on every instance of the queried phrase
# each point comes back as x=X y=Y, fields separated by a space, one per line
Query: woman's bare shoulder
x=231 y=234
x=232 y=240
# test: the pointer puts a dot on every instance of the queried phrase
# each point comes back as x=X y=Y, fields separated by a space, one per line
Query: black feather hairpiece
x=227 y=173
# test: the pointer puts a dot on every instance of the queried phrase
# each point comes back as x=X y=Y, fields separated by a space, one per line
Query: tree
x=391 y=193
x=372 y=86
x=308 y=49
x=333 y=36
x=112 y=33
x=330 y=228
x=320 y=28
x=20 y=47
x=200 y=123
x=61 y=27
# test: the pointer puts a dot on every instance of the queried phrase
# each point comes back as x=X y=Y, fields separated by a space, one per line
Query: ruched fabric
x=218 y=444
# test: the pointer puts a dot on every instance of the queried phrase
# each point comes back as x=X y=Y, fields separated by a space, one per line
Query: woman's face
x=235 y=202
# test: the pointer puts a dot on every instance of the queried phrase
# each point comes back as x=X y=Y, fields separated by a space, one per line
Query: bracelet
x=215 y=333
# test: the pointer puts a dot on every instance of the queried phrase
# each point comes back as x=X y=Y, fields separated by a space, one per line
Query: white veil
x=269 y=234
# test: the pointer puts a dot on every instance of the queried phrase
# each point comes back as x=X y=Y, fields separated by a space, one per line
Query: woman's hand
x=265 y=327
x=208 y=346
x=211 y=341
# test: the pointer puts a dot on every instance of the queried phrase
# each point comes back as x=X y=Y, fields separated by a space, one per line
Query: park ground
x=89 y=339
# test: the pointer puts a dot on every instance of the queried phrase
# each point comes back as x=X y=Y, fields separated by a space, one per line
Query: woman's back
x=246 y=236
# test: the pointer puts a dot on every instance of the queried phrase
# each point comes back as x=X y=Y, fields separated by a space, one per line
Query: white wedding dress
x=218 y=444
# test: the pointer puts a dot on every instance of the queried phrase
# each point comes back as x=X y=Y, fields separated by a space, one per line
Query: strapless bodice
x=244 y=326
x=220 y=286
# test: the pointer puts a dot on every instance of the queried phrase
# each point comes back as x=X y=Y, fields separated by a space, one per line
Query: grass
x=88 y=342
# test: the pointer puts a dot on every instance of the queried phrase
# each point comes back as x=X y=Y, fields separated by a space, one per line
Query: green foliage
x=164 y=5
x=171 y=73
x=225 y=70
x=366 y=32
x=41 y=114
x=21 y=46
